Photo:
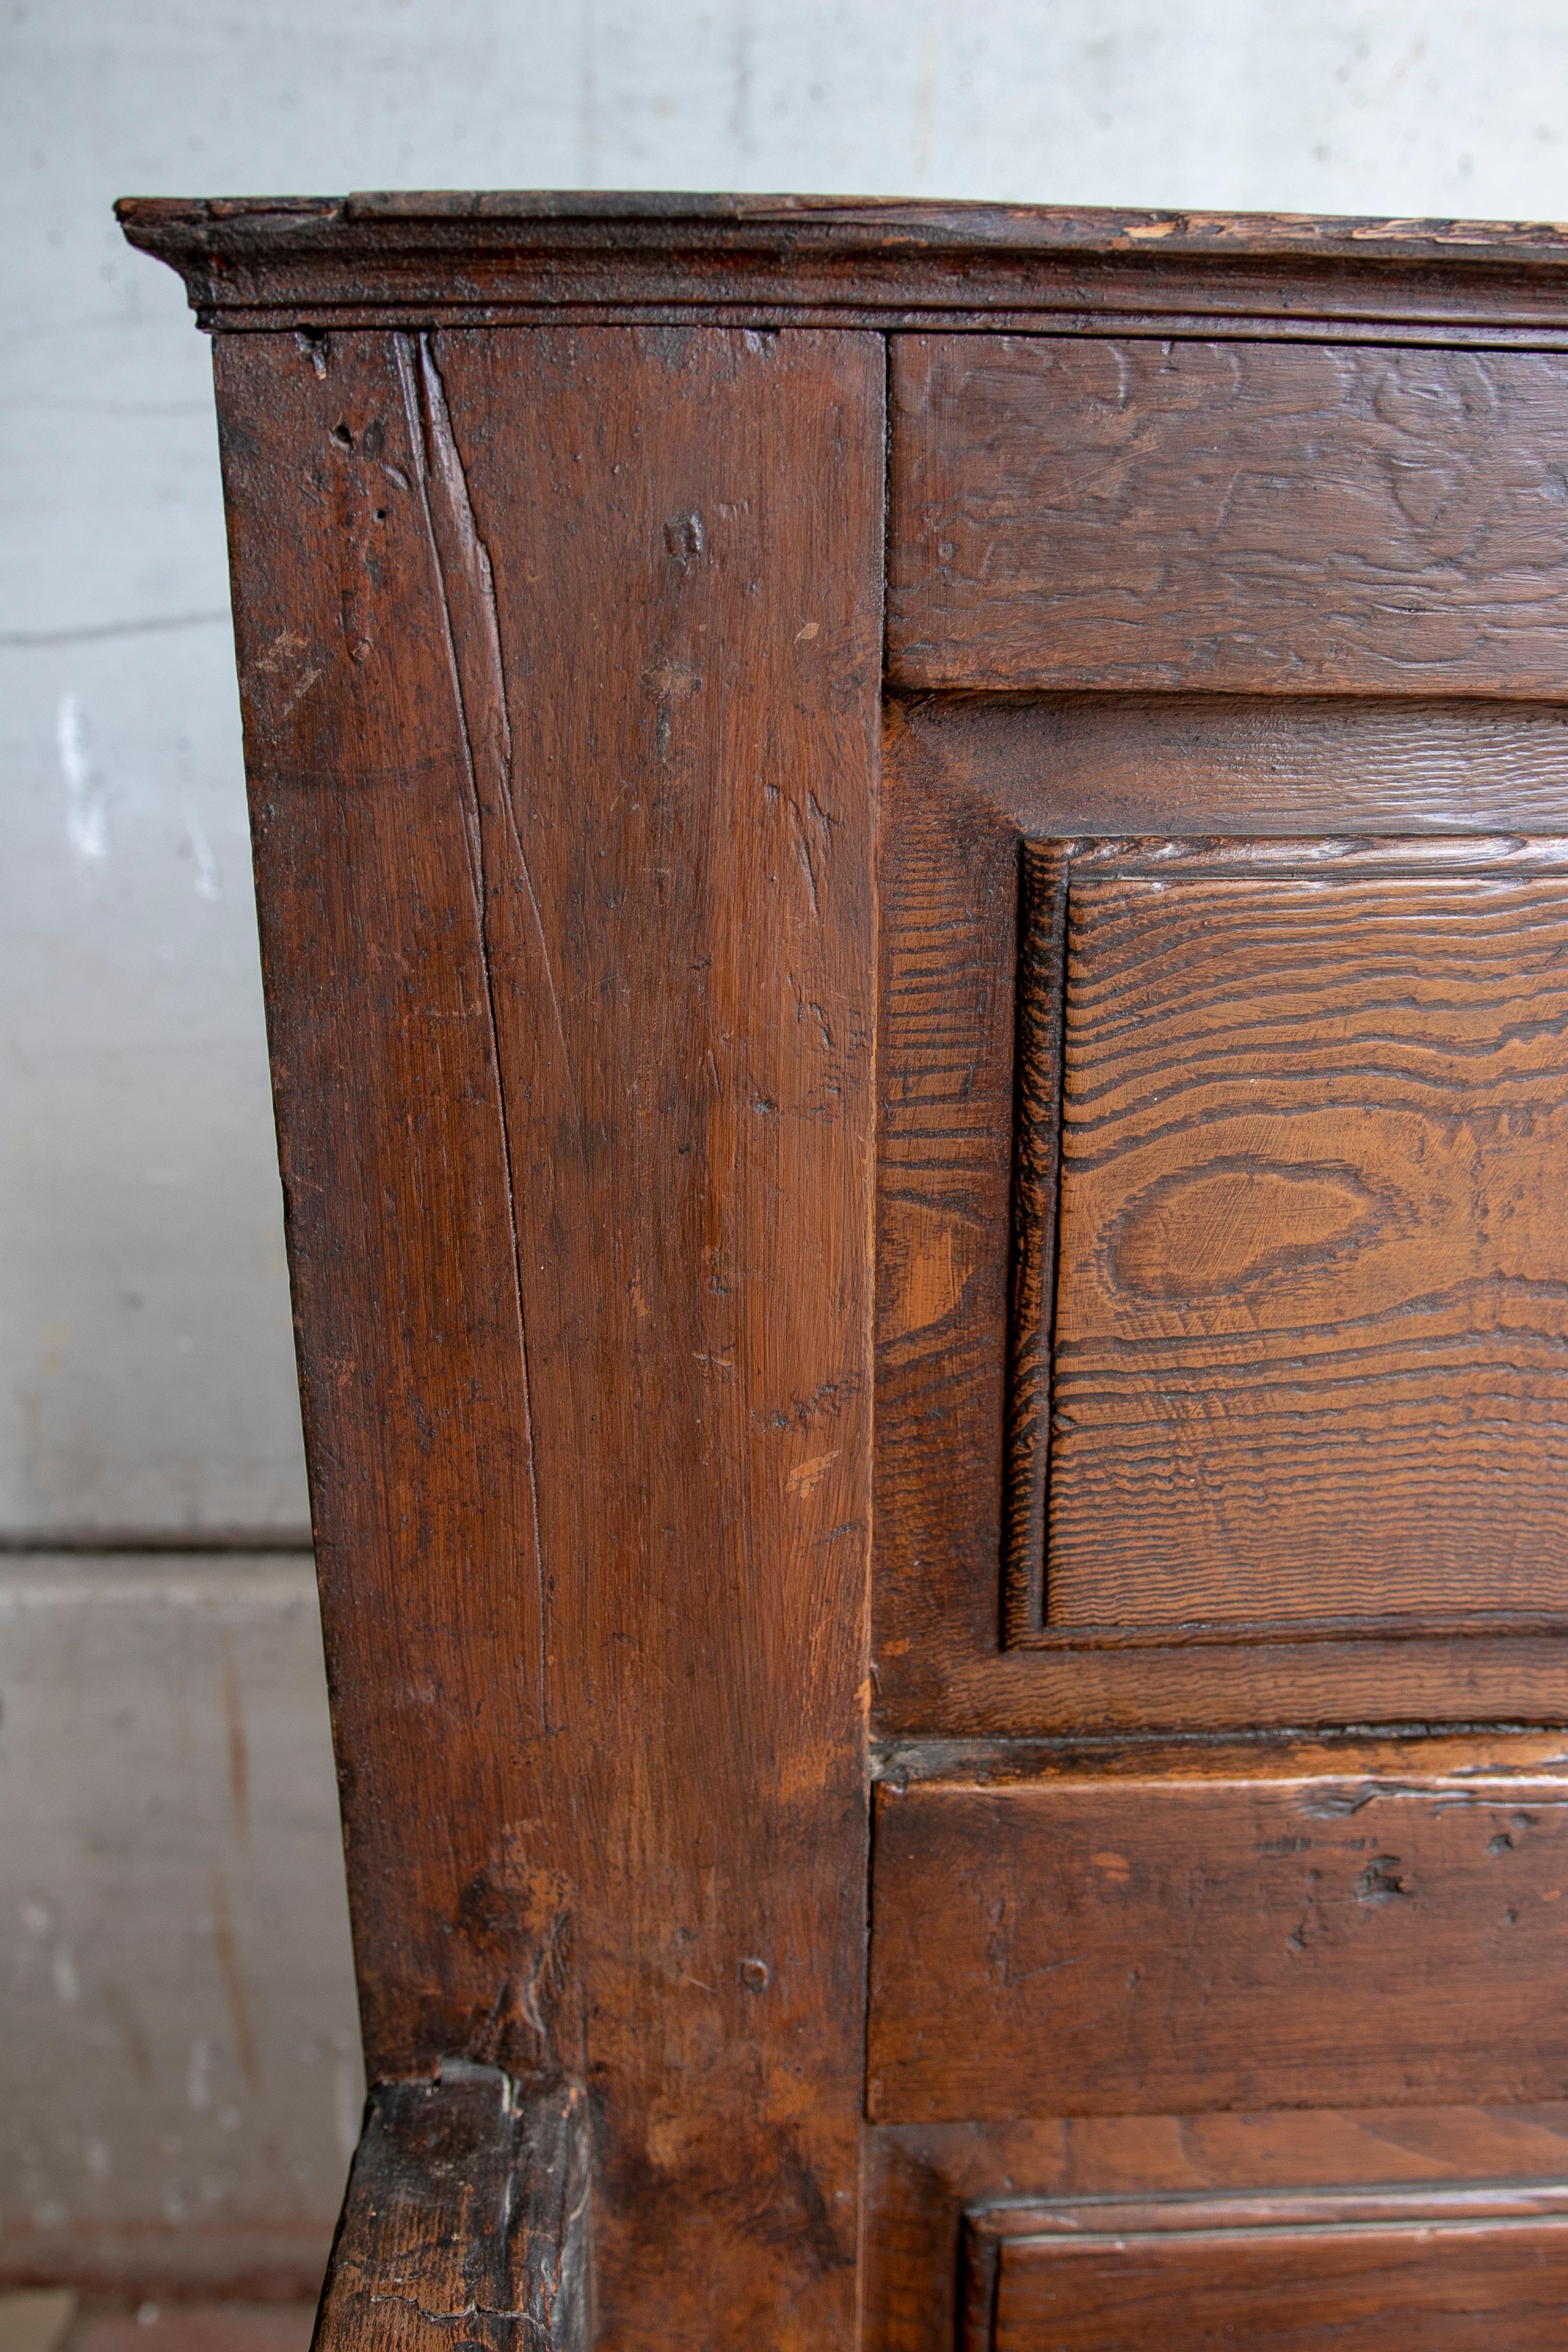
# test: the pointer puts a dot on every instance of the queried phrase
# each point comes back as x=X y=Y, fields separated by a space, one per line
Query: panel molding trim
x=1453 y=2263
x=1334 y=1072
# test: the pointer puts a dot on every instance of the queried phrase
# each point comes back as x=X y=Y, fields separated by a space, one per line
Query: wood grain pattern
x=924 y=2178
x=948 y=872
x=467 y=2214
x=493 y=258
x=1212 y=516
x=560 y=655
x=1179 y=764
x=1460 y=2270
x=1091 y=1946
x=960 y=783
x=1309 y=1316
x=566 y=900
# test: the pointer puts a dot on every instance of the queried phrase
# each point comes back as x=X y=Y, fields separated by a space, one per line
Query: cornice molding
x=499 y=257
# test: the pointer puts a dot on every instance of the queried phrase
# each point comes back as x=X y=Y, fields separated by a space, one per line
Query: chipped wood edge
x=468 y=2214
x=266 y=264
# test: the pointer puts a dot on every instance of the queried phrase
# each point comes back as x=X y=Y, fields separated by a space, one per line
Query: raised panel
x=1291 y=1312
x=1215 y=515
x=1460 y=2270
x=1272 y=787
x=1088 y=1943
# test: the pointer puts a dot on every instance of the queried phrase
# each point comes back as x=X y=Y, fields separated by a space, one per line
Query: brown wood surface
x=1237 y=764
x=561 y=657
x=495 y=257
x=559 y=663
x=1362 y=1756
x=1215 y=516
x=1044 y=895
x=1464 y=2270
x=1307 y=1347
x=467 y=2217
x=923 y=2178
x=962 y=785
x=1087 y=1946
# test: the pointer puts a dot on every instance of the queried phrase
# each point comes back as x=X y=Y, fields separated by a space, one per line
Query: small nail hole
x=343 y=436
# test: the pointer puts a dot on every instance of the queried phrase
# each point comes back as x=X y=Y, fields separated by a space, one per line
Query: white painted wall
x=145 y=1372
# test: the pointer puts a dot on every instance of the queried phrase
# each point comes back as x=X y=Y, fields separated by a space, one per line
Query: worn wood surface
x=961 y=786
x=923 y=2179
x=1237 y=764
x=560 y=659
x=1308 y=1319
x=1092 y=1947
x=559 y=663
x=492 y=257
x=1457 y=2269
x=466 y=2216
x=1209 y=515
x=1398 y=1755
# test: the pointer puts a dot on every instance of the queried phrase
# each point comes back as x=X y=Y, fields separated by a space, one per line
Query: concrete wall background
x=181 y=2080
x=146 y=1390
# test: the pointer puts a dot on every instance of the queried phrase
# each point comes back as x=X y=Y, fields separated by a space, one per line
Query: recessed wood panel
x=1101 y=1946
x=1452 y=2270
x=1214 y=515
x=963 y=782
x=1303 y=1287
